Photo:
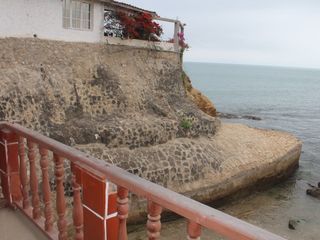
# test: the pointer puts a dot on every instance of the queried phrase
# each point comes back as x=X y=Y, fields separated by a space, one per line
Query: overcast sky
x=264 y=32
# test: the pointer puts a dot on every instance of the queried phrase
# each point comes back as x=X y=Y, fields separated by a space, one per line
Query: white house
x=67 y=20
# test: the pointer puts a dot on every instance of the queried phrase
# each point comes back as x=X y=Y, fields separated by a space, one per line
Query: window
x=77 y=14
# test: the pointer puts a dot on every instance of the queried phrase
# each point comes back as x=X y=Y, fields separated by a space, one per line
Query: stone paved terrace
x=14 y=225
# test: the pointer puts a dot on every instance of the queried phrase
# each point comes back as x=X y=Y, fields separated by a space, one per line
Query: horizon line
x=257 y=65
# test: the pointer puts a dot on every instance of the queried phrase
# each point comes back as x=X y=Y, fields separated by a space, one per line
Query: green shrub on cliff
x=186 y=123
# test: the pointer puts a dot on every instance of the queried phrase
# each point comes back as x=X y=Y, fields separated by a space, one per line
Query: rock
x=203 y=102
x=319 y=184
x=314 y=192
x=310 y=185
x=228 y=115
x=293 y=224
x=74 y=100
x=252 y=117
x=234 y=116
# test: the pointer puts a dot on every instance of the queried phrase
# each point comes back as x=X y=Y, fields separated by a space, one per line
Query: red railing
x=96 y=212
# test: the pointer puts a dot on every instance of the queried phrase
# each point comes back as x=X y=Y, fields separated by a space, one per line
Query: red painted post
x=112 y=223
x=99 y=207
x=154 y=223
x=194 y=231
x=123 y=211
x=9 y=166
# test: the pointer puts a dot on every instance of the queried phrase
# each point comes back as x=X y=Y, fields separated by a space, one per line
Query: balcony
x=66 y=194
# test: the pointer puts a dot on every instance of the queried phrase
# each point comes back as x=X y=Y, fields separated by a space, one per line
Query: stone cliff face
x=91 y=93
x=133 y=108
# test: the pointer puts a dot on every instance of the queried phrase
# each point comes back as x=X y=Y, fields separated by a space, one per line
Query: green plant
x=186 y=123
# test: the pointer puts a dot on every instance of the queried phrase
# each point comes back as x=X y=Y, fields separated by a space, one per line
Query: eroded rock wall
x=83 y=93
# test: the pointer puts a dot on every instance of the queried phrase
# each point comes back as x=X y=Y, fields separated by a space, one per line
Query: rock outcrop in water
x=314 y=191
x=130 y=107
x=234 y=116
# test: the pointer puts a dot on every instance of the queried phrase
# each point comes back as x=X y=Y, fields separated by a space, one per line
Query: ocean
x=286 y=99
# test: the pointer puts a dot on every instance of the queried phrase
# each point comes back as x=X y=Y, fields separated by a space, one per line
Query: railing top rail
x=167 y=20
x=208 y=217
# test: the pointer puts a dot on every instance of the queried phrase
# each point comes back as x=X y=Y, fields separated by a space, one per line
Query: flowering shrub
x=140 y=26
x=182 y=41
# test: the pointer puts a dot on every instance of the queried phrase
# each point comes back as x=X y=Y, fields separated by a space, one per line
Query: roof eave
x=131 y=8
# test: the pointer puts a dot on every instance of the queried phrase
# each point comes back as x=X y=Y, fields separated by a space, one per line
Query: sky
x=259 y=32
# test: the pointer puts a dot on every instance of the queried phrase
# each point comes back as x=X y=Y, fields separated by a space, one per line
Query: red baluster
x=44 y=163
x=77 y=208
x=194 y=231
x=23 y=174
x=33 y=180
x=61 y=202
x=123 y=210
x=154 y=223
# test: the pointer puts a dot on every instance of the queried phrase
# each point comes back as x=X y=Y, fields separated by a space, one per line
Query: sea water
x=286 y=99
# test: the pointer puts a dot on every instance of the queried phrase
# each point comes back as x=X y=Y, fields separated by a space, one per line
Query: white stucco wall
x=24 y=18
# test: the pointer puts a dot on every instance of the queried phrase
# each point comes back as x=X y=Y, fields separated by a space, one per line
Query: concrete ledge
x=160 y=46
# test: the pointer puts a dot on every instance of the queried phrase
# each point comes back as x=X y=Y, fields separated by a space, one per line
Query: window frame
x=69 y=19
